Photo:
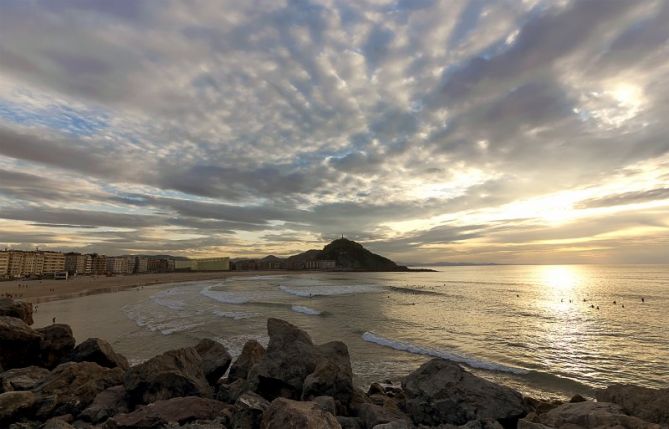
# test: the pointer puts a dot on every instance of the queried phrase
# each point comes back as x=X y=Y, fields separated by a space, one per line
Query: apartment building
x=141 y=264
x=98 y=264
x=76 y=263
x=4 y=264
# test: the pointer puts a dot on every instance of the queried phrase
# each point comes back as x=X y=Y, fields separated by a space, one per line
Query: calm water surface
x=532 y=327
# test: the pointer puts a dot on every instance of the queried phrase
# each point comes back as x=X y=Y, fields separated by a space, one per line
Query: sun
x=559 y=277
x=626 y=94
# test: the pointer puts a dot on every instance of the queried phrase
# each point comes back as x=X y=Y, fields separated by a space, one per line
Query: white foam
x=223 y=296
x=330 y=290
x=166 y=299
x=237 y=315
x=305 y=310
x=443 y=354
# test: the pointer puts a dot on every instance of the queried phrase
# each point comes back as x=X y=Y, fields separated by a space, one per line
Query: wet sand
x=37 y=291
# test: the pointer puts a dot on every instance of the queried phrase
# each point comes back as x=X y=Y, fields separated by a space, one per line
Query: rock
x=14 y=405
x=98 y=351
x=22 y=378
x=589 y=415
x=349 y=422
x=106 y=404
x=373 y=415
x=173 y=374
x=57 y=424
x=577 y=398
x=249 y=409
x=20 y=310
x=442 y=392
x=526 y=423
x=19 y=343
x=230 y=392
x=295 y=368
x=387 y=389
x=286 y=413
x=327 y=403
x=57 y=342
x=648 y=404
x=397 y=424
x=252 y=353
x=72 y=386
x=25 y=425
x=215 y=359
x=174 y=410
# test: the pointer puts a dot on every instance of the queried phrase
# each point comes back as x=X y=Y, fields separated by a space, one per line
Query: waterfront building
x=4 y=264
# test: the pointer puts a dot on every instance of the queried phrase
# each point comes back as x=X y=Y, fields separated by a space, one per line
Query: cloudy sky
x=510 y=131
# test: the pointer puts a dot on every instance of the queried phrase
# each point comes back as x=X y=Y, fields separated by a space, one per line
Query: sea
x=549 y=331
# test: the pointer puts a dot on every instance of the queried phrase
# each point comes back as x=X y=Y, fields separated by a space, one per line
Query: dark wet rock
x=577 y=398
x=591 y=415
x=19 y=343
x=252 y=353
x=25 y=424
x=57 y=423
x=172 y=374
x=295 y=368
x=442 y=392
x=229 y=392
x=249 y=409
x=106 y=404
x=286 y=413
x=98 y=351
x=476 y=424
x=648 y=404
x=14 y=405
x=22 y=378
x=175 y=410
x=327 y=403
x=215 y=359
x=72 y=386
x=372 y=414
x=540 y=406
x=19 y=309
x=57 y=342
x=397 y=424
x=347 y=422
x=386 y=389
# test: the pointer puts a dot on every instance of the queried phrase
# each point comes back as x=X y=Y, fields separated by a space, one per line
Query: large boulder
x=591 y=415
x=249 y=409
x=173 y=374
x=14 y=405
x=443 y=392
x=643 y=402
x=106 y=404
x=20 y=310
x=286 y=413
x=57 y=342
x=252 y=353
x=171 y=411
x=98 y=351
x=72 y=387
x=295 y=368
x=215 y=359
x=372 y=415
x=19 y=343
x=22 y=378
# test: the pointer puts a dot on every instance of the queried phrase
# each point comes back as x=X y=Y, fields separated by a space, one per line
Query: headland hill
x=67 y=275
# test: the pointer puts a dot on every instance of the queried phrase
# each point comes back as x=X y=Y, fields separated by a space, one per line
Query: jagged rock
x=14 y=405
x=397 y=424
x=442 y=392
x=295 y=368
x=174 y=410
x=57 y=424
x=577 y=398
x=387 y=389
x=173 y=374
x=72 y=386
x=98 y=351
x=350 y=422
x=540 y=406
x=327 y=403
x=249 y=409
x=215 y=359
x=22 y=378
x=106 y=404
x=19 y=343
x=648 y=404
x=252 y=353
x=56 y=343
x=286 y=413
x=20 y=310
x=591 y=415
x=528 y=423
x=25 y=425
x=230 y=392
x=476 y=424
x=373 y=415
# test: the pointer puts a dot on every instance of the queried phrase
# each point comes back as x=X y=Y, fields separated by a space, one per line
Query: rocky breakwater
x=49 y=383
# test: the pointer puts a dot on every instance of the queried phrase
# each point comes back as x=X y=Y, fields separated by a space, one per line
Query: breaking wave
x=326 y=290
x=306 y=310
x=225 y=297
x=237 y=315
x=443 y=354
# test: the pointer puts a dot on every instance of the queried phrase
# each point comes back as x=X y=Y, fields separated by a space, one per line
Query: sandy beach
x=50 y=290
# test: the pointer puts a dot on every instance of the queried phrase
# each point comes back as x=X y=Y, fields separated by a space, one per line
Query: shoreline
x=38 y=291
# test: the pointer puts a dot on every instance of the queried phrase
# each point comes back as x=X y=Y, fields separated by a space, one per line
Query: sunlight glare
x=562 y=277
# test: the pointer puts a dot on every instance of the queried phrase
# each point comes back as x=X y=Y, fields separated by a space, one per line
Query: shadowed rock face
x=57 y=342
x=252 y=353
x=174 y=373
x=215 y=359
x=19 y=343
x=18 y=309
x=14 y=405
x=593 y=415
x=22 y=378
x=648 y=404
x=175 y=410
x=442 y=392
x=98 y=351
x=285 y=413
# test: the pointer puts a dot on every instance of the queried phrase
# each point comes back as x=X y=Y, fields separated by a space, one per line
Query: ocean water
x=549 y=331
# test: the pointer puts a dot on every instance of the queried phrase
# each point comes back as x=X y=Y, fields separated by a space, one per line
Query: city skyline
x=468 y=131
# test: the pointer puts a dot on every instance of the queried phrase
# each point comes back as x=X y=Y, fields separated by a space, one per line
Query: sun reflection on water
x=560 y=277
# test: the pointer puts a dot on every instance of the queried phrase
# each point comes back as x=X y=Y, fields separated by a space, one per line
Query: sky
x=507 y=131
